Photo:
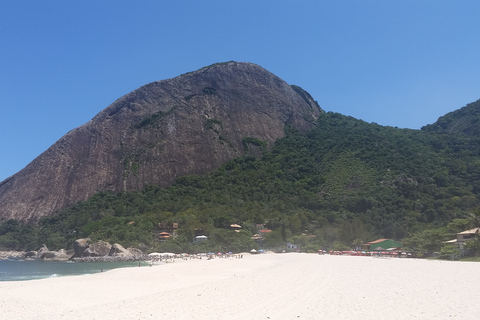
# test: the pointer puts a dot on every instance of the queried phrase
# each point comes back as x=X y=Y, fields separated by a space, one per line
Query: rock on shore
x=84 y=250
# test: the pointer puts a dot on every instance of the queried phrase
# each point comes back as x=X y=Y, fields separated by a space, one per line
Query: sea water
x=16 y=270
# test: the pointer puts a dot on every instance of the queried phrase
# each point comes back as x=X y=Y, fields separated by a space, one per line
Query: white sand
x=268 y=286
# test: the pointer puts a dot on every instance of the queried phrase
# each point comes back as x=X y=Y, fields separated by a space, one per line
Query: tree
x=474 y=218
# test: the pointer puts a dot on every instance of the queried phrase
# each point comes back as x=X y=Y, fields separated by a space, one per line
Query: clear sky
x=399 y=63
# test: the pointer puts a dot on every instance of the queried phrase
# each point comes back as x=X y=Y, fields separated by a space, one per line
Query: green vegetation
x=254 y=141
x=337 y=186
x=462 y=121
x=210 y=124
x=209 y=91
x=153 y=119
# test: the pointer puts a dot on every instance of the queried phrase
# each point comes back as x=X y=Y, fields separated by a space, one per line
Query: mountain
x=191 y=124
x=233 y=144
x=462 y=121
x=340 y=184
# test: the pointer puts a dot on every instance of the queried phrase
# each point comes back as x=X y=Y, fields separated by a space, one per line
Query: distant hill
x=462 y=121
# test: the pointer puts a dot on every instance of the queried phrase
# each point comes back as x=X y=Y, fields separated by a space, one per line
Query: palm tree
x=474 y=218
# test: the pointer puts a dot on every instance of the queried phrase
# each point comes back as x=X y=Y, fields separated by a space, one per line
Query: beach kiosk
x=381 y=245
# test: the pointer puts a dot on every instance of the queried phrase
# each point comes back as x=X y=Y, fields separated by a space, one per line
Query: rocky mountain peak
x=190 y=124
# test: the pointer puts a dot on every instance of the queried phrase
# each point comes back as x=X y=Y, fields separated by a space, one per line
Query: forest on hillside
x=339 y=185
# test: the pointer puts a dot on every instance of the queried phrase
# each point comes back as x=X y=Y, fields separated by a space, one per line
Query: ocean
x=18 y=270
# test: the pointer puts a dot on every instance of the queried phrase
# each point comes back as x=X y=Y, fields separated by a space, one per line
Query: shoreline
x=274 y=286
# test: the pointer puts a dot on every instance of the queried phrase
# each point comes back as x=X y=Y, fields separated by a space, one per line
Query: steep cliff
x=190 y=124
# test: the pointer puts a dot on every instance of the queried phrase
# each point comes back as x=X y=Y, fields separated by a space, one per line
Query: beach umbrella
x=153 y=254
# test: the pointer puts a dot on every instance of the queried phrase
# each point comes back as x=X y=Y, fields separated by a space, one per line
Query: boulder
x=54 y=255
x=135 y=252
x=100 y=248
x=118 y=250
x=79 y=246
x=11 y=255
x=31 y=254
x=42 y=251
x=89 y=253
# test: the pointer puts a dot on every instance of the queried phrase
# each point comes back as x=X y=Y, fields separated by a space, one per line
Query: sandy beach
x=266 y=286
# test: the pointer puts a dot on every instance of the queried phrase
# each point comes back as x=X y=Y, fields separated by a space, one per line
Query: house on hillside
x=235 y=227
x=381 y=244
x=200 y=238
x=465 y=236
x=162 y=236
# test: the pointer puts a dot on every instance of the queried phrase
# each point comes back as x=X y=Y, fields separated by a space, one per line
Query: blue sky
x=398 y=63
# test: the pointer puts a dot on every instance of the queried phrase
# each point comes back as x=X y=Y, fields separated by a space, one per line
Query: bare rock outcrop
x=118 y=250
x=42 y=251
x=135 y=252
x=60 y=255
x=190 y=124
x=11 y=255
x=79 y=247
x=99 y=248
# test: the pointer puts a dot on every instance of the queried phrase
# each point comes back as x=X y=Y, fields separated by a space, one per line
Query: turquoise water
x=12 y=270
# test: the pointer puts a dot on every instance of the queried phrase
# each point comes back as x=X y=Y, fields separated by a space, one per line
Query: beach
x=261 y=286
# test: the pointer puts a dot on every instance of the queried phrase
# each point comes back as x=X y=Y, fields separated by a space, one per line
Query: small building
x=468 y=235
x=198 y=232
x=235 y=227
x=200 y=238
x=163 y=235
x=256 y=236
x=465 y=236
x=381 y=244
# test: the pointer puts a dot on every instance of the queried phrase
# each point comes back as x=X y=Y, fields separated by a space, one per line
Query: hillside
x=191 y=124
x=319 y=180
x=344 y=181
x=462 y=121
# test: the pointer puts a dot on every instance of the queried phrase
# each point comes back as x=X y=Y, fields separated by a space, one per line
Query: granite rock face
x=99 y=248
x=135 y=252
x=79 y=246
x=118 y=250
x=190 y=124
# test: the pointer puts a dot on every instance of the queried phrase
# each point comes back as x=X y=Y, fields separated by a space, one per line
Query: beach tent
x=201 y=238
x=381 y=244
x=169 y=254
x=155 y=254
